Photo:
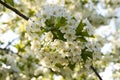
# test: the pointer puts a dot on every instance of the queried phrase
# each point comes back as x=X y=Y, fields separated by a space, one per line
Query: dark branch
x=14 y=10
x=7 y=50
x=9 y=43
x=97 y=74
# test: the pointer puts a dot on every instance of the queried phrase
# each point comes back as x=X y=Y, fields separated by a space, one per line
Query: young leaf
x=11 y=2
x=86 y=55
x=72 y=66
x=82 y=39
x=60 y=21
x=49 y=29
x=85 y=33
x=50 y=22
x=80 y=28
x=58 y=35
x=59 y=65
x=20 y=47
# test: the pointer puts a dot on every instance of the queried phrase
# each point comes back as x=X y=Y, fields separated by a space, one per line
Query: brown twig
x=14 y=10
x=95 y=71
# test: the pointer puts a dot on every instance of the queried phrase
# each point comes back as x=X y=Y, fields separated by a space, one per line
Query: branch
x=7 y=50
x=14 y=10
x=97 y=74
x=9 y=43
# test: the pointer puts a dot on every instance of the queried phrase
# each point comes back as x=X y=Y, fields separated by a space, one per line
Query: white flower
x=48 y=36
x=34 y=45
x=11 y=60
x=64 y=29
x=57 y=44
x=45 y=62
x=76 y=51
x=88 y=27
x=69 y=36
x=54 y=53
x=33 y=78
x=65 y=53
x=30 y=24
x=69 y=45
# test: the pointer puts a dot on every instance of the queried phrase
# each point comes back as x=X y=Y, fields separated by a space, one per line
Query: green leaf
x=50 y=22
x=59 y=65
x=11 y=2
x=47 y=29
x=31 y=12
x=81 y=32
x=85 y=33
x=84 y=2
x=20 y=47
x=86 y=55
x=80 y=28
x=3 y=9
x=82 y=39
x=30 y=58
x=3 y=60
x=74 y=18
x=21 y=66
x=58 y=35
x=36 y=61
x=72 y=66
x=60 y=21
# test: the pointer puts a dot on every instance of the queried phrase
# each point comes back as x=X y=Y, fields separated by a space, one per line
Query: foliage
x=10 y=2
x=60 y=40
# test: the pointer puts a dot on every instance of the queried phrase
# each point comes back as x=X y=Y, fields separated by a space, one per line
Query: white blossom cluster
x=60 y=43
x=54 y=38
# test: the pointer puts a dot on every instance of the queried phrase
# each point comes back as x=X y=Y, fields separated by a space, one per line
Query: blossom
x=48 y=36
x=62 y=41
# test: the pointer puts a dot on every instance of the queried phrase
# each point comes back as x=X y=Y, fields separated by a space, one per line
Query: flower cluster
x=60 y=40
